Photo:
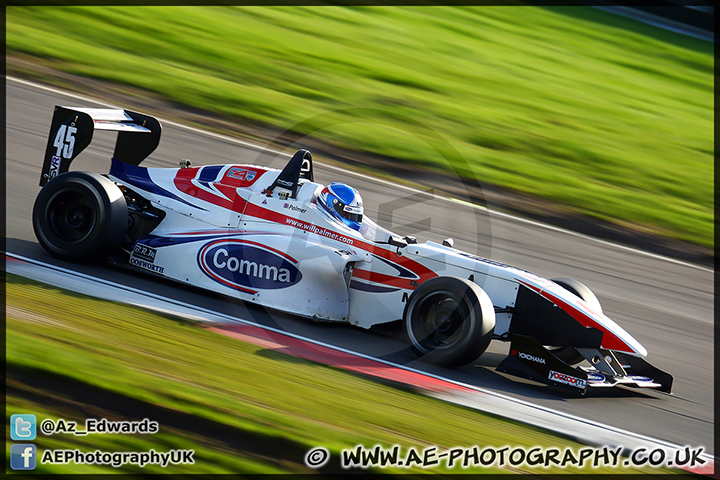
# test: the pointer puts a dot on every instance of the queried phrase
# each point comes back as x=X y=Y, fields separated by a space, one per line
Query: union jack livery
x=277 y=238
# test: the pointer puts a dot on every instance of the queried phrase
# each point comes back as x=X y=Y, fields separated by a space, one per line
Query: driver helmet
x=344 y=203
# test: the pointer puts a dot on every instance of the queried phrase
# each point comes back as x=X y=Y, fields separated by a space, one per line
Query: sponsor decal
x=640 y=378
x=146 y=265
x=54 y=167
x=567 y=379
x=285 y=183
x=239 y=176
x=143 y=252
x=241 y=265
x=239 y=173
x=264 y=202
x=144 y=257
x=294 y=208
x=532 y=358
x=596 y=377
x=320 y=231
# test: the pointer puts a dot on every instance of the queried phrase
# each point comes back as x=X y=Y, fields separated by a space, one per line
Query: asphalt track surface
x=666 y=305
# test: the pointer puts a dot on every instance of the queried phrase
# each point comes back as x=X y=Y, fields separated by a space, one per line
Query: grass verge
x=607 y=116
x=240 y=407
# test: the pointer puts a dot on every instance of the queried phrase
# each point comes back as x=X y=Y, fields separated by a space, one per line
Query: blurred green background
x=604 y=115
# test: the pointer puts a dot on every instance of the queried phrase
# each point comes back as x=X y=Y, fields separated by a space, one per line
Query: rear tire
x=80 y=217
x=570 y=355
x=449 y=321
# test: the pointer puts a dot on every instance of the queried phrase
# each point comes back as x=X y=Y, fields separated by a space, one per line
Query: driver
x=344 y=203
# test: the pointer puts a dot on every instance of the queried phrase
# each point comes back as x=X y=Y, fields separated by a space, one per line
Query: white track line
x=255 y=146
x=586 y=431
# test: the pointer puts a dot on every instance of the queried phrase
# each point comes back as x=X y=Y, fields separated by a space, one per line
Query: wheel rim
x=71 y=216
x=439 y=321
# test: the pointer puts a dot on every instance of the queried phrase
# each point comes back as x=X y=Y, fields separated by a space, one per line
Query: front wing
x=529 y=359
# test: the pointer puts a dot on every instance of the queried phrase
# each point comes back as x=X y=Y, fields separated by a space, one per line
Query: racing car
x=278 y=239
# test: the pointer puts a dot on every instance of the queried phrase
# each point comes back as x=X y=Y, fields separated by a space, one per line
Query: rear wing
x=72 y=130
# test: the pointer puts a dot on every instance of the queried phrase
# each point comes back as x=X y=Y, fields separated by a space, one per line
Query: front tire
x=80 y=217
x=579 y=290
x=449 y=321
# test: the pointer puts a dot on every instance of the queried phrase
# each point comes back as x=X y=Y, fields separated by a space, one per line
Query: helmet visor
x=354 y=214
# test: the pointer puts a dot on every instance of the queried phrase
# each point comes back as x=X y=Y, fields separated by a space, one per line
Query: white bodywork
x=225 y=232
x=257 y=233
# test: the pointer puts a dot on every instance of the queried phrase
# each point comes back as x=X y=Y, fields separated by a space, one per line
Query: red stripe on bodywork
x=610 y=341
x=424 y=274
x=263 y=213
x=382 y=278
x=183 y=182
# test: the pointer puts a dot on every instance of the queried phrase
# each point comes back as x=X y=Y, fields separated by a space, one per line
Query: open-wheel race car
x=278 y=239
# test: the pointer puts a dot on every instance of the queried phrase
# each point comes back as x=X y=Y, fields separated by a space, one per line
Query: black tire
x=449 y=321
x=80 y=217
x=580 y=290
x=570 y=355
